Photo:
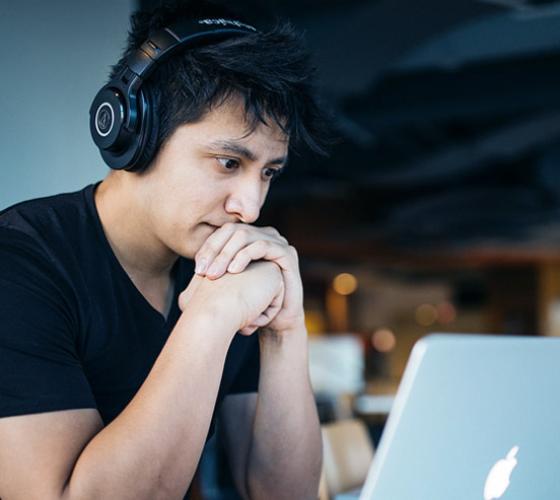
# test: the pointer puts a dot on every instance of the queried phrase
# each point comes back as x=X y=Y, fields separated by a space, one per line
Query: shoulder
x=42 y=242
x=60 y=228
x=42 y=219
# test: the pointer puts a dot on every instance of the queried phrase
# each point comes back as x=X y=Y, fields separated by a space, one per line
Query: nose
x=245 y=200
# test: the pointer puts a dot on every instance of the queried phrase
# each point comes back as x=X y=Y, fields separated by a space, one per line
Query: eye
x=228 y=163
x=272 y=173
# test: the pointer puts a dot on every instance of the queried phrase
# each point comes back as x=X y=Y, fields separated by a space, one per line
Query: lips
x=217 y=226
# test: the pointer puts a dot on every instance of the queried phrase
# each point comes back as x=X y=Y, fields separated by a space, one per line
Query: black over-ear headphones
x=123 y=121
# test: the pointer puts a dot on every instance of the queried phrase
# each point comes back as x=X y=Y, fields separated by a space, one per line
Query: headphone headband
x=118 y=112
x=164 y=42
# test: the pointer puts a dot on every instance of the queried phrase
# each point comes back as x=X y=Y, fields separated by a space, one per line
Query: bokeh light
x=426 y=315
x=383 y=340
x=345 y=284
x=446 y=313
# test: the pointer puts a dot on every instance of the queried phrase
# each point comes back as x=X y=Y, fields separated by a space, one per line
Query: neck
x=127 y=228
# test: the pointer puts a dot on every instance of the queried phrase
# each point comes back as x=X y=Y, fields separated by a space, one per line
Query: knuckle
x=274 y=232
x=262 y=244
x=243 y=234
x=242 y=254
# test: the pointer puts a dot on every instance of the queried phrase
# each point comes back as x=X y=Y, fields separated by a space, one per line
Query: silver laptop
x=476 y=417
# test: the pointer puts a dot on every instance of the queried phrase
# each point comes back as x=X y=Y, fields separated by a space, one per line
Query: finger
x=239 y=239
x=187 y=293
x=262 y=249
x=248 y=330
x=212 y=247
x=242 y=238
x=272 y=310
x=293 y=296
x=264 y=319
x=254 y=251
x=273 y=232
x=267 y=316
x=218 y=259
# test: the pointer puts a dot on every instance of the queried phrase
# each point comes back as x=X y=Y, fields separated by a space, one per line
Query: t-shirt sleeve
x=247 y=378
x=40 y=369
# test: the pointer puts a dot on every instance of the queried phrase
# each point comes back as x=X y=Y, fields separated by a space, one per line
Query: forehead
x=228 y=122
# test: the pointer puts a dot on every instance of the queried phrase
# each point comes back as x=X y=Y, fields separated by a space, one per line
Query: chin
x=197 y=238
x=188 y=246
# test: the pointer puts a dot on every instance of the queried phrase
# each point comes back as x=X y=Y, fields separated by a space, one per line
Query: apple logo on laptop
x=497 y=481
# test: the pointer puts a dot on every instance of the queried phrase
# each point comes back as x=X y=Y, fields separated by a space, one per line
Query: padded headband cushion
x=149 y=131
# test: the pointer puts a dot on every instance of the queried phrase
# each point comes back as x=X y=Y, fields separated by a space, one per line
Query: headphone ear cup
x=107 y=113
x=121 y=152
x=148 y=133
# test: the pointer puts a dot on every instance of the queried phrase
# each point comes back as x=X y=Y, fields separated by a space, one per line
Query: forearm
x=286 y=451
x=151 y=450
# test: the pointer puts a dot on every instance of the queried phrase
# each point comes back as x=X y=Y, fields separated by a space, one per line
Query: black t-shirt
x=75 y=332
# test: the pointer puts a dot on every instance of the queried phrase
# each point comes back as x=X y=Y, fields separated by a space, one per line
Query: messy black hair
x=270 y=70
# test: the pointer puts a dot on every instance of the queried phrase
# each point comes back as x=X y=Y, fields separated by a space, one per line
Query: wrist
x=285 y=358
x=296 y=328
x=222 y=321
x=293 y=340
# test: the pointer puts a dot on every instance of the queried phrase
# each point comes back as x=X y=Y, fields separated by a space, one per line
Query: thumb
x=188 y=292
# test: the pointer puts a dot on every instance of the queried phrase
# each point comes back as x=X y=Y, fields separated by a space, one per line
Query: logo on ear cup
x=104 y=119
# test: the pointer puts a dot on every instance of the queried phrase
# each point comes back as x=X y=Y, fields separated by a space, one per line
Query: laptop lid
x=475 y=417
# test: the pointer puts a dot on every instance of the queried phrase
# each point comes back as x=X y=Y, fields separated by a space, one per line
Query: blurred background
x=438 y=209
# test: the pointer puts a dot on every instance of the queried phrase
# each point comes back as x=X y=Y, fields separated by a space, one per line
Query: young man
x=115 y=356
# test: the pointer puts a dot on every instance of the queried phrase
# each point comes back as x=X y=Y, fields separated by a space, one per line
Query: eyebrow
x=238 y=149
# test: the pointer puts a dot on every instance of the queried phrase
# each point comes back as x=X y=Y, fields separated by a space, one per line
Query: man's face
x=209 y=173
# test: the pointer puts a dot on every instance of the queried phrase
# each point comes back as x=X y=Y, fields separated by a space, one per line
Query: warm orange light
x=446 y=313
x=345 y=284
x=383 y=340
x=426 y=315
x=314 y=322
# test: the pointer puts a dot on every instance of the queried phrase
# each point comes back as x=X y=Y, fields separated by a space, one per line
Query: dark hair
x=270 y=71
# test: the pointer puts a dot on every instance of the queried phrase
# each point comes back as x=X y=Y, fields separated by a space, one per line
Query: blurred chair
x=347 y=455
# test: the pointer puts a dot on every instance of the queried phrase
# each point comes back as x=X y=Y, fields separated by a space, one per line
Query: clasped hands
x=231 y=249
